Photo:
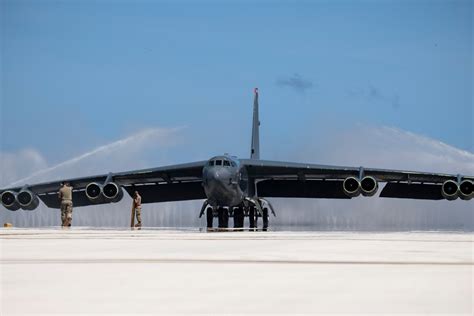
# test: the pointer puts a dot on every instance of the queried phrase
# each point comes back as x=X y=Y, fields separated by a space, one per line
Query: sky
x=78 y=75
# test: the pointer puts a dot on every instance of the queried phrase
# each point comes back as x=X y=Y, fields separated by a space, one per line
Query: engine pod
x=27 y=200
x=466 y=190
x=9 y=200
x=449 y=190
x=369 y=186
x=94 y=192
x=112 y=192
x=351 y=186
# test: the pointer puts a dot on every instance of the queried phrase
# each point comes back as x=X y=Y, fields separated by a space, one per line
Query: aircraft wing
x=287 y=179
x=169 y=183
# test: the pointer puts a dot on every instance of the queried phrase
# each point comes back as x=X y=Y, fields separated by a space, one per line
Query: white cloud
x=19 y=164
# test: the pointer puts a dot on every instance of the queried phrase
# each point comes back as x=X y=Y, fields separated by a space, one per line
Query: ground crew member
x=65 y=195
x=137 y=205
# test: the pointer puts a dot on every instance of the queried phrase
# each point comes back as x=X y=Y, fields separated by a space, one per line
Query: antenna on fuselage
x=255 y=149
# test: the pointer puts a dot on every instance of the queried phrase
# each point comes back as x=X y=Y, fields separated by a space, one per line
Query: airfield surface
x=54 y=271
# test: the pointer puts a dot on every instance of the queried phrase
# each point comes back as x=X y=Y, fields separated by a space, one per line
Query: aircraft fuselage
x=225 y=181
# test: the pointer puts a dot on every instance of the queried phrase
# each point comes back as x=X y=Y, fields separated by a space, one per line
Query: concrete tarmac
x=86 y=271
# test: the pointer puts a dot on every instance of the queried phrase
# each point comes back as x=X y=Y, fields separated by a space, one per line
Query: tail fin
x=255 y=150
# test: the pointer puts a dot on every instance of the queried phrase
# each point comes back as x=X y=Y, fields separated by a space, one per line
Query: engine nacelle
x=94 y=192
x=369 y=186
x=351 y=186
x=466 y=190
x=27 y=200
x=9 y=200
x=112 y=192
x=98 y=193
x=450 y=190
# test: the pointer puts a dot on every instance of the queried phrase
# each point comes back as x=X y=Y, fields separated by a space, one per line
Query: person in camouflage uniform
x=137 y=204
x=65 y=195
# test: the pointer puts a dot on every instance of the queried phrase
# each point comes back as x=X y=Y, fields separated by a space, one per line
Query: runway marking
x=227 y=261
x=269 y=239
x=203 y=236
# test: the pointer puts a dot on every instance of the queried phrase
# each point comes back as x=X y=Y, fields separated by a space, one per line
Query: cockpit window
x=226 y=163
x=211 y=163
x=233 y=164
x=218 y=162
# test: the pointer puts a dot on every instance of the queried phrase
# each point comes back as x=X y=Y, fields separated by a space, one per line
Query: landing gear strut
x=256 y=210
x=253 y=208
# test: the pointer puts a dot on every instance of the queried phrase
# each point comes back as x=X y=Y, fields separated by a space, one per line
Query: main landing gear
x=251 y=208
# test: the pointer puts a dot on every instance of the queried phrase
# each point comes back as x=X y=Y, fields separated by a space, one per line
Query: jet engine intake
x=466 y=190
x=369 y=186
x=9 y=200
x=27 y=200
x=450 y=190
x=94 y=191
x=351 y=186
x=108 y=192
x=112 y=192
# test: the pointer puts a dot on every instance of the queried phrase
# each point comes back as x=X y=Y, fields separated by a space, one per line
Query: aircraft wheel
x=265 y=218
x=209 y=217
x=223 y=217
x=238 y=217
x=252 y=221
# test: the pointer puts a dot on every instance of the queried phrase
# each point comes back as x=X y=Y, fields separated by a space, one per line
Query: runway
x=90 y=271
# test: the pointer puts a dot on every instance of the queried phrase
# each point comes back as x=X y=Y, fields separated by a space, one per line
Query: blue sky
x=76 y=74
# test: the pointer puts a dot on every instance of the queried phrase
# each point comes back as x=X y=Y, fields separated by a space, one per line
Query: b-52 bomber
x=240 y=188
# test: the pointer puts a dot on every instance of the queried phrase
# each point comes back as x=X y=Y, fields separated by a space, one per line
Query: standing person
x=65 y=195
x=137 y=204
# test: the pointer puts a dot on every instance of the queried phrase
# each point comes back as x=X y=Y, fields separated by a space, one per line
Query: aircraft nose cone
x=214 y=174
x=215 y=181
x=215 y=178
x=217 y=185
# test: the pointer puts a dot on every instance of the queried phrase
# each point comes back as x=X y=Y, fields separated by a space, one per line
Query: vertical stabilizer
x=255 y=150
